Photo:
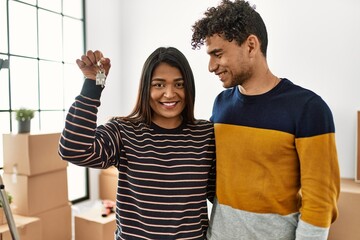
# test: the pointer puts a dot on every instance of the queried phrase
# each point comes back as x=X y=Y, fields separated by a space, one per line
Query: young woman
x=165 y=157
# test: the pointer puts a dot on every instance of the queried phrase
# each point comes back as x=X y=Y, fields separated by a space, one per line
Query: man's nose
x=212 y=65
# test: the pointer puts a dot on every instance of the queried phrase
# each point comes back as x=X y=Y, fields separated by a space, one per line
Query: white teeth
x=169 y=103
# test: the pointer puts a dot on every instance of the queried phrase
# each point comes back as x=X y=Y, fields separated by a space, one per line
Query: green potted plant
x=24 y=116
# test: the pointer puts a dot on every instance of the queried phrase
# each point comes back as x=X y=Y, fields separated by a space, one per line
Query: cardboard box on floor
x=29 y=228
x=32 y=154
x=92 y=226
x=348 y=222
x=56 y=223
x=36 y=194
x=108 y=181
x=3 y=219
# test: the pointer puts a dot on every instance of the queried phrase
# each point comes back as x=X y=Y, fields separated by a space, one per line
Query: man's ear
x=253 y=44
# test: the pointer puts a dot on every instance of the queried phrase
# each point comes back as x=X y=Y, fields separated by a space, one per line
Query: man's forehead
x=214 y=44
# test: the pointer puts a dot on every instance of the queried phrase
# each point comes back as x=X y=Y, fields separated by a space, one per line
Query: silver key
x=100 y=78
x=100 y=75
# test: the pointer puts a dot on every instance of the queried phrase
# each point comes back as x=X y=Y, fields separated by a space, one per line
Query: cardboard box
x=92 y=226
x=113 y=171
x=28 y=228
x=37 y=194
x=3 y=219
x=108 y=182
x=348 y=222
x=56 y=223
x=32 y=154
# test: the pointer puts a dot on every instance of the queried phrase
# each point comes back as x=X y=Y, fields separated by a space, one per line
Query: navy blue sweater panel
x=287 y=107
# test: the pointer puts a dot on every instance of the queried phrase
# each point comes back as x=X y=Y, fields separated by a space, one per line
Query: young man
x=277 y=168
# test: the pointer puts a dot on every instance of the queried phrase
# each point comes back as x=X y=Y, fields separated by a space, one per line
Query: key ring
x=100 y=66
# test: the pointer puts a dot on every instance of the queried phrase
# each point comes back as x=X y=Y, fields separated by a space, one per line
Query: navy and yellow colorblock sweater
x=276 y=161
x=165 y=175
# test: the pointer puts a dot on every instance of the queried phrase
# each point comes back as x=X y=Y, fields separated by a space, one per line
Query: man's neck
x=259 y=84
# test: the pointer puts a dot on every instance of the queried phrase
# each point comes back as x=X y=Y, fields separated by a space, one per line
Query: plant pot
x=24 y=126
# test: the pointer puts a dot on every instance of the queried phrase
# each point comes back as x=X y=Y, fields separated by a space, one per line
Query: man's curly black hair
x=233 y=20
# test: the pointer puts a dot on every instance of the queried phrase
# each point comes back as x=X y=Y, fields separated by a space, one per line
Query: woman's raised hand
x=93 y=62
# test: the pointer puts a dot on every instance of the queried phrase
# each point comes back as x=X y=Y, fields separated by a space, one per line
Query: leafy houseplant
x=9 y=197
x=24 y=116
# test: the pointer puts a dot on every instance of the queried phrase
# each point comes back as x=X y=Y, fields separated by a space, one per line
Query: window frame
x=8 y=55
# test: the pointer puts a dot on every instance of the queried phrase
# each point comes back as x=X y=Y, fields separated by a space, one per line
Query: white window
x=41 y=40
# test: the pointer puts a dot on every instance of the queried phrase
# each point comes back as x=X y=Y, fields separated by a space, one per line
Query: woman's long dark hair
x=142 y=111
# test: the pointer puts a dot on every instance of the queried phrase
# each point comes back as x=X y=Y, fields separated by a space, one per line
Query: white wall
x=103 y=33
x=313 y=43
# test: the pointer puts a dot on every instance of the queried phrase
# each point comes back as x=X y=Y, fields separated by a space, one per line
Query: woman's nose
x=169 y=92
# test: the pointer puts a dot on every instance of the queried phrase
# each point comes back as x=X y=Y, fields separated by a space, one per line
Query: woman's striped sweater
x=165 y=175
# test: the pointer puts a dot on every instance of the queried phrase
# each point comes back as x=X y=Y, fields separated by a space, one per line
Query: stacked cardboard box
x=108 y=181
x=90 y=225
x=347 y=225
x=28 y=228
x=3 y=219
x=36 y=177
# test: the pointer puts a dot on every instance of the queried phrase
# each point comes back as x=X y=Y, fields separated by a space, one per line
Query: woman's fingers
x=92 y=62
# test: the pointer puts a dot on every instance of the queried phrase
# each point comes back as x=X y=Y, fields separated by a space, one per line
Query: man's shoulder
x=289 y=85
x=299 y=93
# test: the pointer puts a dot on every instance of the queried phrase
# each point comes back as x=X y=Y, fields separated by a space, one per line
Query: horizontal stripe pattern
x=165 y=176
